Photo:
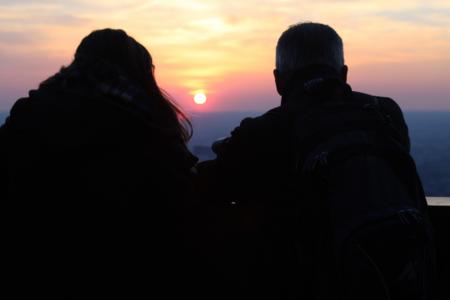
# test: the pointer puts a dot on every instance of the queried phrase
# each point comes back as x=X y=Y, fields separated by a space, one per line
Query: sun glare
x=200 y=98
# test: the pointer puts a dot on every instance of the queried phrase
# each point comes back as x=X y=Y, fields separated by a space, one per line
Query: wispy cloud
x=217 y=45
x=420 y=15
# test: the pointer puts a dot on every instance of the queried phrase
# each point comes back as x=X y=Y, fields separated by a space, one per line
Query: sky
x=226 y=49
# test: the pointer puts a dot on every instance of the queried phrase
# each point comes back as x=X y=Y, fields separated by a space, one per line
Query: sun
x=200 y=98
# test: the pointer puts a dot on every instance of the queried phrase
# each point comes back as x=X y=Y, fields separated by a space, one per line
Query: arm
x=252 y=160
x=236 y=156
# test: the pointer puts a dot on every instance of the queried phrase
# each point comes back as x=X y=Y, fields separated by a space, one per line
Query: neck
x=312 y=80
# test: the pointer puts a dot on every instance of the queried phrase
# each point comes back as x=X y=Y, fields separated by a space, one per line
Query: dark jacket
x=257 y=158
x=95 y=196
x=247 y=188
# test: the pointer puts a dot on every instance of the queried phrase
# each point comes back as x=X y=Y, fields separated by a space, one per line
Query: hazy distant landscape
x=429 y=131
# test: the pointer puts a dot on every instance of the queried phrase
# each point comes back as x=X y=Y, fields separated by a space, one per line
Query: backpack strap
x=385 y=115
x=322 y=124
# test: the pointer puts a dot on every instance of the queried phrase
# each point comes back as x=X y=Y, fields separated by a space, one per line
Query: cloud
x=17 y=37
x=420 y=15
x=203 y=43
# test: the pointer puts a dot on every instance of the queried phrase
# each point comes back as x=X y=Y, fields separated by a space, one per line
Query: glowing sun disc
x=200 y=98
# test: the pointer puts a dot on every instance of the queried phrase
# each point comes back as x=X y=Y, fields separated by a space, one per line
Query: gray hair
x=309 y=43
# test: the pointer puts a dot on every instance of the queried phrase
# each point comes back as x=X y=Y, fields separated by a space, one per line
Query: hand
x=217 y=144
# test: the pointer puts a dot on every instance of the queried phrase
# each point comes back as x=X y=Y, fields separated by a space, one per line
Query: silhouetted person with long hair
x=97 y=174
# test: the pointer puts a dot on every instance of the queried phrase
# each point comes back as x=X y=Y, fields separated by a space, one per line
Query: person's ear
x=344 y=73
x=279 y=82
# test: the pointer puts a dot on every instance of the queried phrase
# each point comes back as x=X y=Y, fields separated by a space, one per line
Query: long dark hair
x=113 y=56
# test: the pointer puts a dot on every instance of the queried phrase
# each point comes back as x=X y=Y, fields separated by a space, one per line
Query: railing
x=439 y=209
x=438 y=201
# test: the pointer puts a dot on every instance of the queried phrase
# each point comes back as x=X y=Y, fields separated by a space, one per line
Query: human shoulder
x=390 y=108
x=384 y=102
x=251 y=133
x=23 y=109
x=259 y=124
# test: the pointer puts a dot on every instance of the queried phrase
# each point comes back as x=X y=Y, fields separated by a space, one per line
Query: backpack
x=363 y=229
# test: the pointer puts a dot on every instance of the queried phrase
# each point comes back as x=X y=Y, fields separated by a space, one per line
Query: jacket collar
x=315 y=81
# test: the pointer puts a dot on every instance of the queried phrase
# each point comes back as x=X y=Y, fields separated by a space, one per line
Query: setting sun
x=200 y=98
x=225 y=50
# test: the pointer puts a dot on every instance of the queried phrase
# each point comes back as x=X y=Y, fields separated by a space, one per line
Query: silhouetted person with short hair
x=97 y=175
x=287 y=187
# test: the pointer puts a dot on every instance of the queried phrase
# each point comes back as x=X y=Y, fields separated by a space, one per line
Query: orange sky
x=395 y=48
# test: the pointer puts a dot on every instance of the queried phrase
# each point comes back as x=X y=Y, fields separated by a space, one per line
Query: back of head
x=305 y=44
x=114 y=62
x=122 y=53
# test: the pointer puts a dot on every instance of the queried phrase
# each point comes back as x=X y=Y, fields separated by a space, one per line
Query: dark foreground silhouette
x=321 y=196
x=97 y=176
x=316 y=199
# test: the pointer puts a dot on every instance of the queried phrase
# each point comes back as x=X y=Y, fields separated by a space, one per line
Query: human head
x=306 y=44
x=115 y=48
x=118 y=55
